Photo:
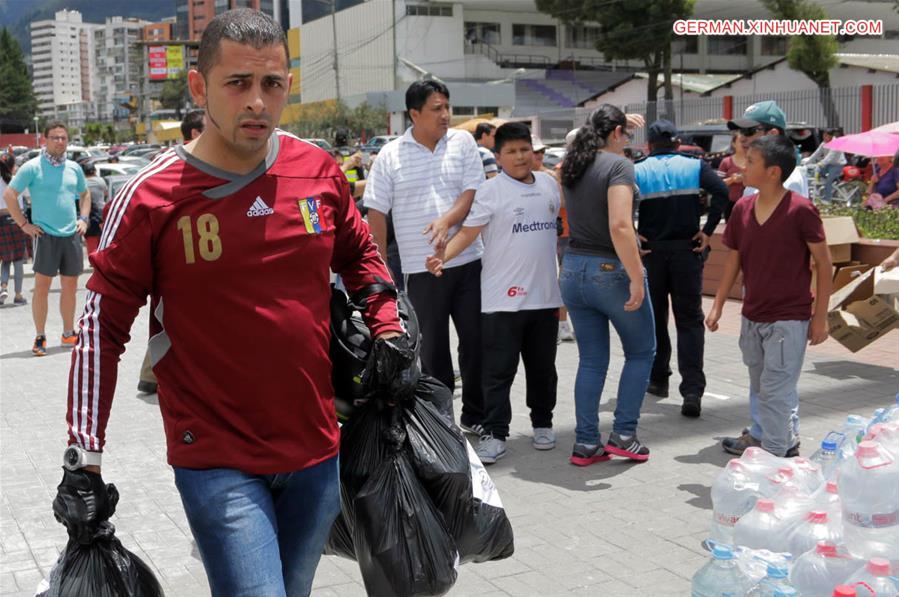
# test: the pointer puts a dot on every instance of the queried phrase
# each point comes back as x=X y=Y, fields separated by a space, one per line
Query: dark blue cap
x=661 y=130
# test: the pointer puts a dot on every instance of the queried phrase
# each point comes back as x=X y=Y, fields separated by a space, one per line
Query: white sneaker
x=544 y=438
x=490 y=449
x=566 y=334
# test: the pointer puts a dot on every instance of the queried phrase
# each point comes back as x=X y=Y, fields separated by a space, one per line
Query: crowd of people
x=474 y=228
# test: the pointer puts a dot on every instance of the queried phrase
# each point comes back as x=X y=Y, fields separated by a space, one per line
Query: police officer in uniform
x=675 y=249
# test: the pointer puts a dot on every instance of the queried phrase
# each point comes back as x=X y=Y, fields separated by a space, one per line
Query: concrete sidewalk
x=613 y=528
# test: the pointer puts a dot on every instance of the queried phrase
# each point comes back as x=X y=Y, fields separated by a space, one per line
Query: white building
x=118 y=62
x=62 y=57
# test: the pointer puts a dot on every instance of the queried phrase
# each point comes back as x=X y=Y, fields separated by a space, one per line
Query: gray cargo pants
x=774 y=353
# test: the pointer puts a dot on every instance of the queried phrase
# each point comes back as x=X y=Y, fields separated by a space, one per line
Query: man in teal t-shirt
x=58 y=192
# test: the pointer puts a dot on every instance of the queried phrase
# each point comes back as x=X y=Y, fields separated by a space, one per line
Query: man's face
x=432 y=121
x=517 y=158
x=57 y=141
x=537 y=163
x=828 y=137
x=749 y=135
x=244 y=94
x=489 y=140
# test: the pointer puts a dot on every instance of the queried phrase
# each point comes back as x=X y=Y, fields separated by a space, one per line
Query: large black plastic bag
x=103 y=568
x=402 y=547
x=458 y=484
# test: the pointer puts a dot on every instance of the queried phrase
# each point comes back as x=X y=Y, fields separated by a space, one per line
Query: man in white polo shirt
x=427 y=179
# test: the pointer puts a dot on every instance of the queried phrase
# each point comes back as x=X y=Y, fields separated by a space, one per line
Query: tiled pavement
x=614 y=528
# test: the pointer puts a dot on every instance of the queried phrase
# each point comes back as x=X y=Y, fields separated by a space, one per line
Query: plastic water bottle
x=720 y=576
x=887 y=435
x=815 y=528
x=785 y=592
x=815 y=573
x=854 y=429
x=776 y=483
x=828 y=499
x=761 y=528
x=759 y=462
x=807 y=474
x=828 y=456
x=876 y=576
x=733 y=494
x=869 y=494
x=892 y=414
x=777 y=580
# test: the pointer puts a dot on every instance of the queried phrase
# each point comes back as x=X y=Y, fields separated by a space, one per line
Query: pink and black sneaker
x=585 y=455
x=628 y=448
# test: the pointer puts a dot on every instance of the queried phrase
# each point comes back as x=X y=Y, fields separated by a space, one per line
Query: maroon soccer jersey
x=238 y=271
x=775 y=258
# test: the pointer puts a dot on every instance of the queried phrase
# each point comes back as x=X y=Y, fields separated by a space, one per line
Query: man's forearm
x=459 y=210
x=823 y=288
x=86 y=204
x=377 y=223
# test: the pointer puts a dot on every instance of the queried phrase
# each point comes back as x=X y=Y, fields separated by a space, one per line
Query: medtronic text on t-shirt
x=518 y=267
x=54 y=193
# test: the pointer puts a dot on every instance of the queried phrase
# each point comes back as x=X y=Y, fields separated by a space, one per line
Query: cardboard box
x=886 y=282
x=839 y=233
x=857 y=317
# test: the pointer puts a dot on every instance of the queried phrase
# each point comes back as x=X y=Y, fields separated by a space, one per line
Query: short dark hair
x=244 y=26
x=777 y=150
x=511 y=131
x=419 y=92
x=664 y=144
x=88 y=168
x=55 y=124
x=482 y=129
x=193 y=121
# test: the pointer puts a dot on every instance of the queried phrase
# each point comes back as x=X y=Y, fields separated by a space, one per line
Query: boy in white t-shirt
x=515 y=215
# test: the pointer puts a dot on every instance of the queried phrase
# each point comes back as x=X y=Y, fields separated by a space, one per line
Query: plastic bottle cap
x=832 y=487
x=825 y=548
x=775 y=571
x=879 y=566
x=817 y=517
x=829 y=445
x=844 y=591
x=786 y=471
x=722 y=552
x=867 y=448
x=734 y=464
x=764 y=505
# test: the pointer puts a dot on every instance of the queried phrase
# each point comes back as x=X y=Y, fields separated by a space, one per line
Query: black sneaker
x=147 y=387
x=628 y=448
x=660 y=390
x=40 y=346
x=584 y=455
x=692 y=406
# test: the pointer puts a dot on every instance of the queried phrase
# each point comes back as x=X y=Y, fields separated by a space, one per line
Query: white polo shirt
x=418 y=186
x=518 y=270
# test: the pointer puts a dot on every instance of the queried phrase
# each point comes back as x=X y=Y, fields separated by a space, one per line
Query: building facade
x=192 y=16
x=64 y=79
x=118 y=60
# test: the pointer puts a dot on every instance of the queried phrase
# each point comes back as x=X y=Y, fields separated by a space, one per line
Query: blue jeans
x=595 y=289
x=260 y=535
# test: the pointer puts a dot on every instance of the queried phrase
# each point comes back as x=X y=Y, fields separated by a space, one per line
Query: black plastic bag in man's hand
x=393 y=370
x=402 y=547
x=83 y=501
x=101 y=568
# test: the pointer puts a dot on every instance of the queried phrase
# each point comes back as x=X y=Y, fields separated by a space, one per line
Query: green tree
x=17 y=100
x=630 y=30
x=812 y=55
x=175 y=94
x=322 y=119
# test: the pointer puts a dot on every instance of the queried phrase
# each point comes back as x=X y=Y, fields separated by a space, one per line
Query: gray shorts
x=61 y=255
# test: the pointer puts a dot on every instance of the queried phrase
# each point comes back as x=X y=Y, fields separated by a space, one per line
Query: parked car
x=321 y=143
x=115 y=182
x=123 y=168
x=139 y=147
x=375 y=144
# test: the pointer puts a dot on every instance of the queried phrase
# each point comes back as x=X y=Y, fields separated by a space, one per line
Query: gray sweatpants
x=774 y=353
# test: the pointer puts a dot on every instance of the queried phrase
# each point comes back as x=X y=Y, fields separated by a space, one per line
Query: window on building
x=774 y=46
x=430 y=10
x=581 y=37
x=727 y=45
x=687 y=44
x=487 y=33
x=534 y=35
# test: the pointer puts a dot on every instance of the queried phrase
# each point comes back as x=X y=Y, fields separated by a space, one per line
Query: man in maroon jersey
x=232 y=236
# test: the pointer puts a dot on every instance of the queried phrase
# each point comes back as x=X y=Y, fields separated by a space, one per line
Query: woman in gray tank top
x=603 y=281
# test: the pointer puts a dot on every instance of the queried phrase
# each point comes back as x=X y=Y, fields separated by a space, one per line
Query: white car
x=123 y=169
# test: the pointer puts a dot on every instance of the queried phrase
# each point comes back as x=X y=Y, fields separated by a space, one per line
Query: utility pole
x=334 y=31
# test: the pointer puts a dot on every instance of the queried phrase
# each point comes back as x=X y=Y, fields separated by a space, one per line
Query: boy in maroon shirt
x=772 y=236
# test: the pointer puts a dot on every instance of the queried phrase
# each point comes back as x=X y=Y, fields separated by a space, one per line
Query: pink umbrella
x=871 y=144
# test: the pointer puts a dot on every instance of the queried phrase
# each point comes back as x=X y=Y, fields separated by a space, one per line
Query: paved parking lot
x=613 y=528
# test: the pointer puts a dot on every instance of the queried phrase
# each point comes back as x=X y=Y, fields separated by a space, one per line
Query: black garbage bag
x=402 y=547
x=458 y=484
x=102 y=568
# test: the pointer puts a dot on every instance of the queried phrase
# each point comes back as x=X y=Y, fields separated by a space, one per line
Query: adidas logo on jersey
x=259 y=208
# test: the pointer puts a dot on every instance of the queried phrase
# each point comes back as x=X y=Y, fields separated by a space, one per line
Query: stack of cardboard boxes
x=864 y=305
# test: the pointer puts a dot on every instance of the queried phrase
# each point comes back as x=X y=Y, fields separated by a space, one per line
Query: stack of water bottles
x=822 y=526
